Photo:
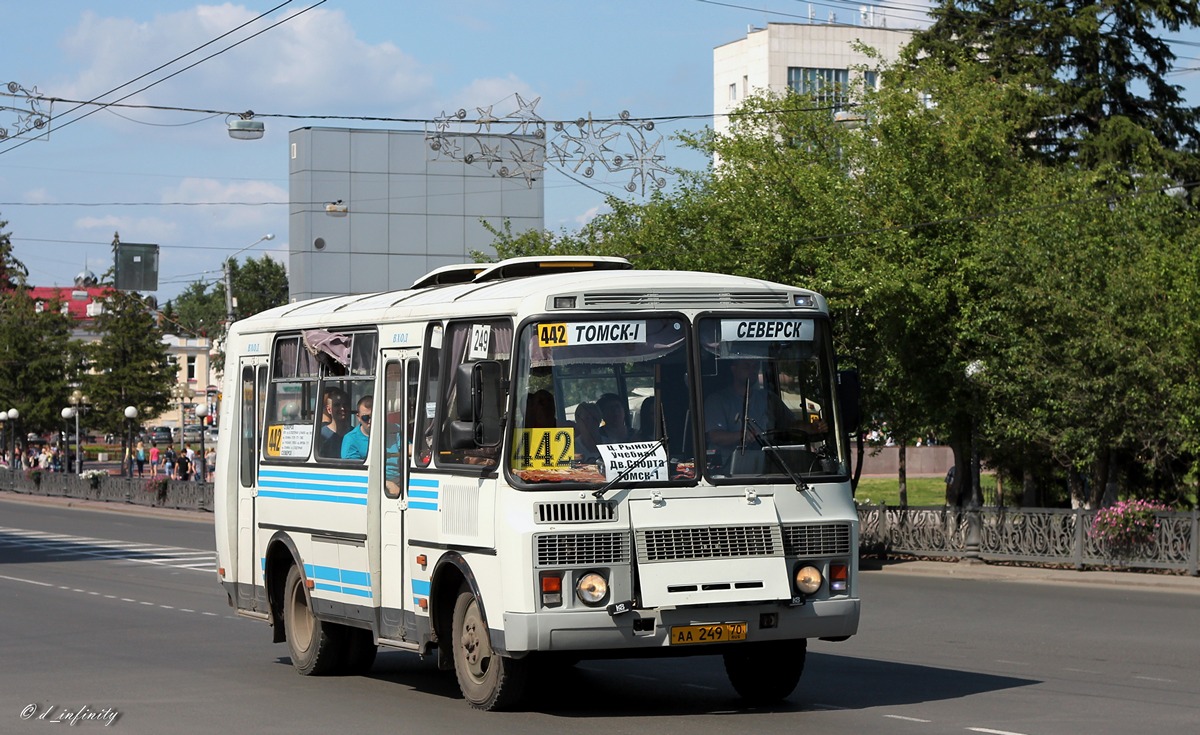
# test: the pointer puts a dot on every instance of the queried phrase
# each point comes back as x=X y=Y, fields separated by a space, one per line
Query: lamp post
x=68 y=413
x=182 y=393
x=79 y=404
x=229 y=276
x=17 y=461
x=131 y=413
x=201 y=465
x=4 y=436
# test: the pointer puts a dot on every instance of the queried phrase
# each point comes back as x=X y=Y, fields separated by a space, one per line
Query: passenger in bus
x=616 y=421
x=356 y=443
x=587 y=431
x=539 y=410
x=765 y=412
x=335 y=422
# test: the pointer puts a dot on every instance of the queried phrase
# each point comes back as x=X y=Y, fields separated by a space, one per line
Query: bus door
x=398 y=411
x=252 y=398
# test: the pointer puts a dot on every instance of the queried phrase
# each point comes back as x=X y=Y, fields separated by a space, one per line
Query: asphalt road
x=119 y=617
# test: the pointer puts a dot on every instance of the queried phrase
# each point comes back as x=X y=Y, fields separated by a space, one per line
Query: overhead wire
x=95 y=100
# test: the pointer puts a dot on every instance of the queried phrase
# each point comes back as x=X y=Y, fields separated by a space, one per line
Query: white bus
x=541 y=460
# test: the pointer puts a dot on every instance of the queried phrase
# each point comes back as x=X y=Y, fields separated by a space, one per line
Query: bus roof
x=533 y=284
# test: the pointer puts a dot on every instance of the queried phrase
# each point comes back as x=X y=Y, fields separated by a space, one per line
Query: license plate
x=682 y=635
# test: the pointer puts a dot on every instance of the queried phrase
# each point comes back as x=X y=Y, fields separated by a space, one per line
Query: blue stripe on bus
x=292 y=485
x=422 y=482
x=312 y=496
x=423 y=494
x=421 y=587
x=422 y=506
x=351 y=582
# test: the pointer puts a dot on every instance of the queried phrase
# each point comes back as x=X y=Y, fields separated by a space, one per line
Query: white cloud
x=131 y=229
x=245 y=195
x=313 y=63
x=590 y=214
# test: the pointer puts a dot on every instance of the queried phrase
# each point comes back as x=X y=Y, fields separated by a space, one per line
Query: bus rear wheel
x=488 y=680
x=765 y=674
x=315 y=646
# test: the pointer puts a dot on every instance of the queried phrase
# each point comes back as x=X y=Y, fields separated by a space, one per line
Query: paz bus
x=539 y=461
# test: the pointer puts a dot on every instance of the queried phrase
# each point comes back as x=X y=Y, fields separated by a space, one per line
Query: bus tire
x=315 y=646
x=488 y=680
x=765 y=674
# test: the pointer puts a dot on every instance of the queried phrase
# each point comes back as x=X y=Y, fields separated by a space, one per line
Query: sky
x=177 y=179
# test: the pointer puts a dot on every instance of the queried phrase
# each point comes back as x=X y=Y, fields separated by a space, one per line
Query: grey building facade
x=373 y=210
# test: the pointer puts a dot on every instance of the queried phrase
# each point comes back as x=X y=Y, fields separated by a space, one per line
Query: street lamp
x=68 y=414
x=131 y=413
x=17 y=461
x=182 y=393
x=201 y=412
x=228 y=265
x=79 y=404
x=4 y=435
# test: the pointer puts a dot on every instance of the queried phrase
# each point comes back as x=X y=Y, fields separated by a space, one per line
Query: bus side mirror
x=850 y=398
x=477 y=405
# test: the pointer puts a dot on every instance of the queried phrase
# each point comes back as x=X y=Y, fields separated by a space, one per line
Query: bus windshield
x=767 y=395
x=602 y=400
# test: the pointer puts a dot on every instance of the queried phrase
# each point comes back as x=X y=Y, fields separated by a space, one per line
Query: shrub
x=1127 y=525
x=93 y=477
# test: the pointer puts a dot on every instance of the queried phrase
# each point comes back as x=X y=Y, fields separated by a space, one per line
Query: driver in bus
x=765 y=412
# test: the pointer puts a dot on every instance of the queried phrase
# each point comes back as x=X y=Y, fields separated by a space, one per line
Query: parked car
x=161 y=435
x=192 y=433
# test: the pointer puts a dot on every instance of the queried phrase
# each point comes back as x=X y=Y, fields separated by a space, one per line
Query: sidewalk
x=195 y=516
x=1032 y=575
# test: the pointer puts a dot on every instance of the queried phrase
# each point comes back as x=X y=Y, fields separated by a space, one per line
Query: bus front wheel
x=315 y=645
x=488 y=680
x=766 y=674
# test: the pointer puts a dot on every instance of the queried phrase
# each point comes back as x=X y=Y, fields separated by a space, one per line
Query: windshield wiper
x=772 y=449
x=630 y=468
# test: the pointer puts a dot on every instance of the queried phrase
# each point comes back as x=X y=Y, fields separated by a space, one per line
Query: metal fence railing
x=1047 y=536
x=111 y=489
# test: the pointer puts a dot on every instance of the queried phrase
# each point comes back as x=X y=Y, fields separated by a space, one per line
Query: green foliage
x=38 y=358
x=942 y=238
x=1103 y=69
x=130 y=365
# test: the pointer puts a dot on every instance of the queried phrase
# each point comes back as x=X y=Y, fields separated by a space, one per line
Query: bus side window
x=468 y=342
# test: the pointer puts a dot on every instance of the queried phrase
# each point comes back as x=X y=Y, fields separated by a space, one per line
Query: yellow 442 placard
x=544 y=448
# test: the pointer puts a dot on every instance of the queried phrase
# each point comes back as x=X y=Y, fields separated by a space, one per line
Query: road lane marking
x=60 y=546
x=27 y=581
x=994 y=732
x=1153 y=678
x=907 y=719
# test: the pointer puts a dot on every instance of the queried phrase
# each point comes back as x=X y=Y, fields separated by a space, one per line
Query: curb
x=983 y=571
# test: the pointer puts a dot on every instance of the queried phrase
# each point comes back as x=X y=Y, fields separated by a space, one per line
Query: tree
x=1102 y=65
x=258 y=285
x=37 y=353
x=12 y=271
x=129 y=364
x=942 y=241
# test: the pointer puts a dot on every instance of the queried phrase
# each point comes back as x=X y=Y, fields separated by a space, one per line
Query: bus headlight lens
x=591 y=589
x=808 y=579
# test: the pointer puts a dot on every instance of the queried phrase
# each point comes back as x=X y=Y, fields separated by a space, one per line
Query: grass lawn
x=921 y=490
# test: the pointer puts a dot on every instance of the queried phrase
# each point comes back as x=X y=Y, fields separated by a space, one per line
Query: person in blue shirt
x=356 y=443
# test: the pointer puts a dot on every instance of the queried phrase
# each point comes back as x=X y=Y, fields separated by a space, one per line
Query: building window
x=191 y=367
x=871 y=80
x=732 y=92
x=826 y=86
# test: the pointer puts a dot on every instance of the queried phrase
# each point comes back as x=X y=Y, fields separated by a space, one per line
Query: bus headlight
x=808 y=579
x=591 y=589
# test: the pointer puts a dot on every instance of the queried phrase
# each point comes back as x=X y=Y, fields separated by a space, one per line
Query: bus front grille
x=817 y=539
x=574 y=512
x=581 y=549
x=710 y=542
